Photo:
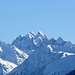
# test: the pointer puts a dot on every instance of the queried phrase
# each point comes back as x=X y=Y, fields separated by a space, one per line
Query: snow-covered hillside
x=49 y=57
x=10 y=57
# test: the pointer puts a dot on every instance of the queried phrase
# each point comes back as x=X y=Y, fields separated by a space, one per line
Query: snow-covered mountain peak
x=31 y=35
x=41 y=38
x=40 y=33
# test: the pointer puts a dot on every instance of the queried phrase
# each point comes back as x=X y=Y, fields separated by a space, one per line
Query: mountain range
x=36 y=54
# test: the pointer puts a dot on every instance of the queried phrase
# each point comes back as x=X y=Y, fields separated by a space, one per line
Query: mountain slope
x=46 y=62
x=43 y=56
x=10 y=57
x=61 y=67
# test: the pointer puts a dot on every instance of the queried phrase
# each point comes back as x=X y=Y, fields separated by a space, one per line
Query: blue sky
x=55 y=18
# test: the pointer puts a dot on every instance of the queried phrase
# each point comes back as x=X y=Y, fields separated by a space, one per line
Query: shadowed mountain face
x=71 y=73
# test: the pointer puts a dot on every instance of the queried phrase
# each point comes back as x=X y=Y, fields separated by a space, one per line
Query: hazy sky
x=53 y=17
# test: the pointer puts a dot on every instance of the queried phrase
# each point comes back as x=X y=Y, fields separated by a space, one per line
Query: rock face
x=49 y=57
